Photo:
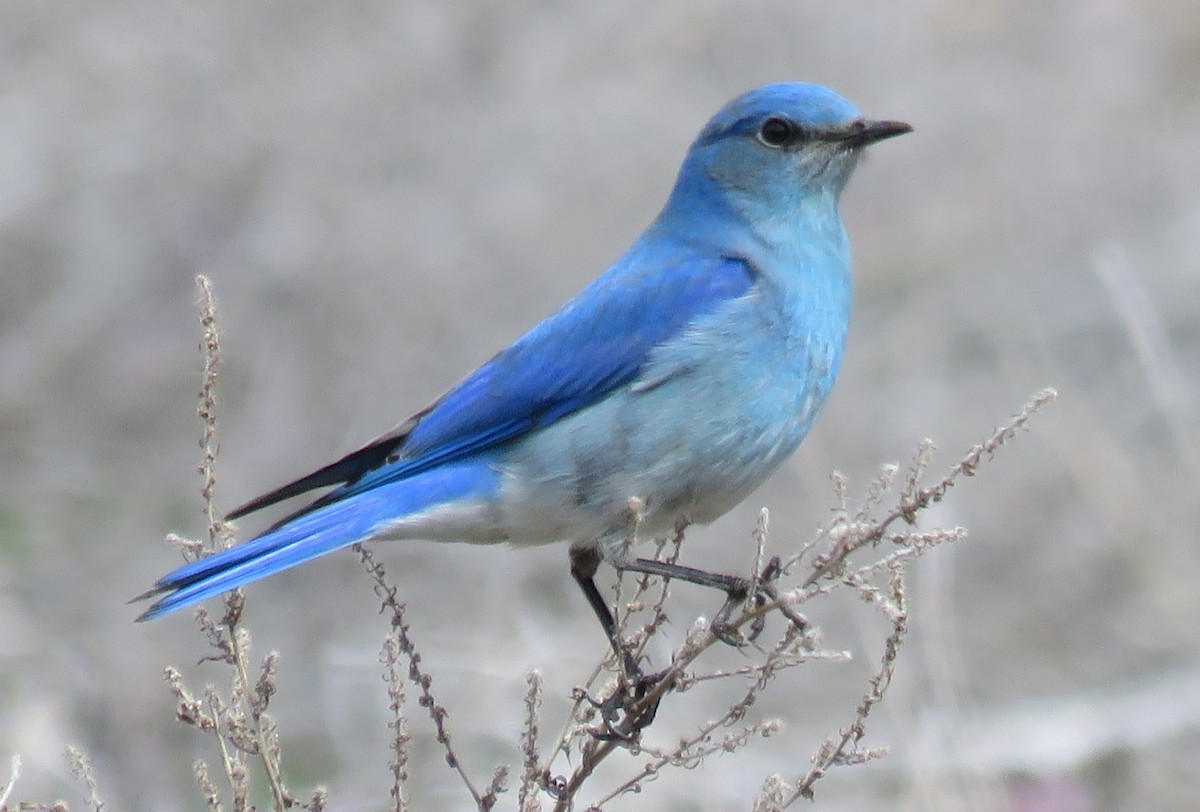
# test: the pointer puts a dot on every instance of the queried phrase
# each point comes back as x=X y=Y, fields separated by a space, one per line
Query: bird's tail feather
x=328 y=528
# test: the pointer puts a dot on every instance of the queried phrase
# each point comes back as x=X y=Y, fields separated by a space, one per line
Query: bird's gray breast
x=713 y=413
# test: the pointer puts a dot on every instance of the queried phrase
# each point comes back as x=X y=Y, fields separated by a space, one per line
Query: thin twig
x=14 y=772
x=390 y=657
x=227 y=638
x=418 y=677
x=81 y=768
x=844 y=749
x=531 y=775
x=923 y=497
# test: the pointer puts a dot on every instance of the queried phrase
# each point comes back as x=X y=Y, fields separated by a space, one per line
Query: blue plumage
x=681 y=377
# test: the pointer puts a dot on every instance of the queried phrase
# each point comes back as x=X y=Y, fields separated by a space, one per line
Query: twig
x=210 y=346
x=390 y=657
x=423 y=681
x=230 y=642
x=14 y=772
x=844 y=749
x=81 y=768
x=919 y=499
x=212 y=798
x=263 y=728
x=531 y=775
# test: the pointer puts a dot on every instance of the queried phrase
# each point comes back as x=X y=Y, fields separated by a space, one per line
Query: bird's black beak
x=861 y=132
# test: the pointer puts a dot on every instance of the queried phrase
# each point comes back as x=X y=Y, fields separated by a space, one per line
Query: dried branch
x=416 y=675
x=531 y=774
x=393 y=677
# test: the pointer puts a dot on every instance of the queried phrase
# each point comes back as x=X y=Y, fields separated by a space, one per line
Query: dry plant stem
x=81 y=768
x=495 y=787
x=917 y=499
x=257 y=696
x=264 y=738
x=231 y=762
x=531 y=775
x=573 y=720
x=212 y=798
x=192 y=712
x=14 y=772
x=596 y=750
x=844 y=750
x=761 y=526
x=686 y=683
x=691 y=751
x=387 y=593
x=390 y=657
x=211 y=348
x=912 y=545
x=681 y=755
x=319 y=799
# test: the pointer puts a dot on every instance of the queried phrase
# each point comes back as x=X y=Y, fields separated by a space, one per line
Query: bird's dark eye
x=777 y=132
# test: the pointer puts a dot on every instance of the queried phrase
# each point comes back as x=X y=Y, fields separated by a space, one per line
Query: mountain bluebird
x=672 y=386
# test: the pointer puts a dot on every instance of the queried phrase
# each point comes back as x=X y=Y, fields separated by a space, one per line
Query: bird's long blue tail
x=331 y=527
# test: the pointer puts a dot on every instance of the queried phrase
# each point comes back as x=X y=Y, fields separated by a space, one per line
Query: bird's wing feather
x=597 y=342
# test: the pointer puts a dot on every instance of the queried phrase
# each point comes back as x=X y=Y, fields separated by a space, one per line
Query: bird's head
x=777 y=150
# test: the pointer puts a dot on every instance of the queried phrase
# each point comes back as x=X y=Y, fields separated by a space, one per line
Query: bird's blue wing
x=597 y=342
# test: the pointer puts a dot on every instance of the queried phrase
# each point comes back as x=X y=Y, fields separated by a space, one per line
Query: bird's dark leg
x=634 y=686
x=585 y=561
x=737 y=589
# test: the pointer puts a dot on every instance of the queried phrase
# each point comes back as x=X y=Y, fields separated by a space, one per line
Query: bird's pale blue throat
x=673 y=385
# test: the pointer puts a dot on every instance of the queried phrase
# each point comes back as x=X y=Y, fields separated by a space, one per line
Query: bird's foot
x=632 y=705
x=764 y=589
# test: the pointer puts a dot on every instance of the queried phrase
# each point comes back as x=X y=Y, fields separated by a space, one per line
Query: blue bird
x=676 y=382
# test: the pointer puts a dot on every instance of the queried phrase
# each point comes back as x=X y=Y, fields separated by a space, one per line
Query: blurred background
x=384 y=193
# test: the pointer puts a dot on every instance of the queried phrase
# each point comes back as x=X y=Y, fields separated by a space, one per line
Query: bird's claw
x=764 y=588
x=625 y=713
